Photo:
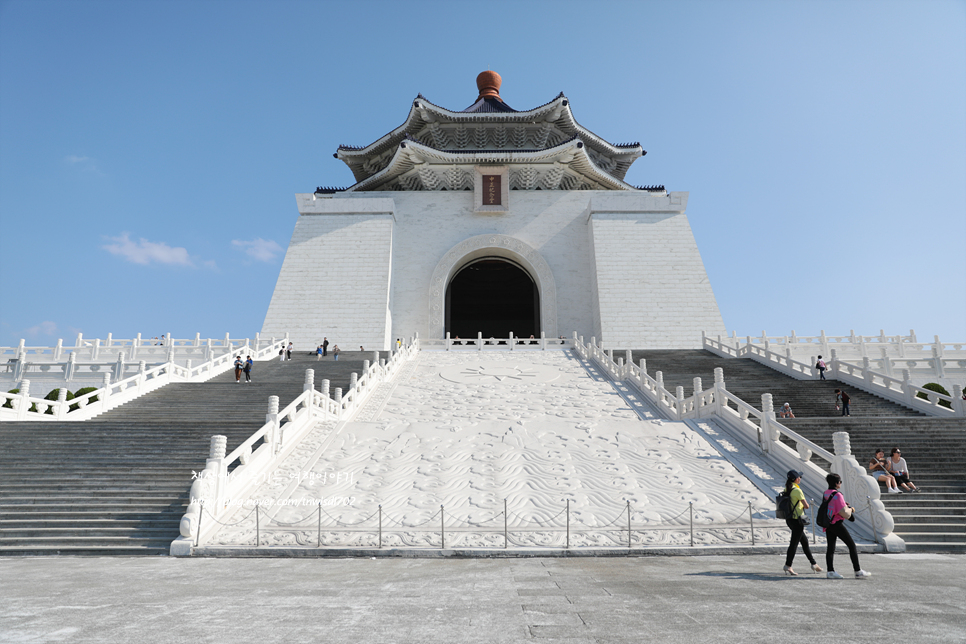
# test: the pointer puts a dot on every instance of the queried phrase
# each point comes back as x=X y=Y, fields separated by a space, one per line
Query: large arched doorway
x=492 y=296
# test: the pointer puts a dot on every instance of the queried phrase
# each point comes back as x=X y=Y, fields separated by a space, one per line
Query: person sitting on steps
x=880 y=472
x=900 y=471
x=786 y=411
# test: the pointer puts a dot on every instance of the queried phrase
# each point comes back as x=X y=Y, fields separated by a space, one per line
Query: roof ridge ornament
x=488 y=83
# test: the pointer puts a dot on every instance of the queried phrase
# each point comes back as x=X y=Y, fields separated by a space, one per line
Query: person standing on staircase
x=288 y=351
x=248 y=369
x=840 y=395
x=821 y=366
x=238 y=368
x=325 y=346
x=838 y=512
x=796 y=523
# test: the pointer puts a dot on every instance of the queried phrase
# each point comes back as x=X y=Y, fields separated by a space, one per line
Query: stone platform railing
x=937 y=361
x=898 y=390
x=236 y=475
x=23 y=406
x=735 y=415
x=479 y=343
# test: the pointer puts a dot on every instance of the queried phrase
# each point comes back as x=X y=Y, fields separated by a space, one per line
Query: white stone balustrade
x=137 y=381
x=479 y=343
x=280 y=434
x=737 y=416
x=861 y=376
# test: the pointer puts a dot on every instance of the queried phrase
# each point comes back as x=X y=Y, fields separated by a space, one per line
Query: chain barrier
x=524 y=525
x=227 y=525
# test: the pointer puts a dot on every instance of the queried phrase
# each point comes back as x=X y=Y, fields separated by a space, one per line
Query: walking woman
x=838 y=512
x=796 y=523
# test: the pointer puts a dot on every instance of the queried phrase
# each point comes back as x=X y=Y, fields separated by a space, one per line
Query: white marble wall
x=336 y=278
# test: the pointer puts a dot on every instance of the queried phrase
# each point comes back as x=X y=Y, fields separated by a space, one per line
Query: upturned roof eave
x=476 y=157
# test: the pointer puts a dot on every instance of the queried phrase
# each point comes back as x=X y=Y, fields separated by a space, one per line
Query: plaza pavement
x=911 y=598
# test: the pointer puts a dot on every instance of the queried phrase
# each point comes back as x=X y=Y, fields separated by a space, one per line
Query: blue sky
x=150 y=151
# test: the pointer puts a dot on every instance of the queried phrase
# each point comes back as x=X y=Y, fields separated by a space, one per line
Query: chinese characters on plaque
x=492 y=190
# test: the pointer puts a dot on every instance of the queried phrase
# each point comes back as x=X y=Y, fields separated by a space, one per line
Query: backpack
x=783 y=506
x=823 y=519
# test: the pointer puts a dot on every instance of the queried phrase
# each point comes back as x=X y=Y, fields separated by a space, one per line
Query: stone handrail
x=220 y=482
x=92 y=350
x=479 y=343
x=861 y=376
x=716 y=402
x=861 y=345
x=23 y=406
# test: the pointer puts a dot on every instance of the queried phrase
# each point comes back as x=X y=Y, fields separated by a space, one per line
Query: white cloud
x=44 y=328
x=264 y=250
x=83 y=163
x=146 y=252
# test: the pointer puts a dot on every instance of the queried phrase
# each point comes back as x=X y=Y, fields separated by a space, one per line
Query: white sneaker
x=861 y=574
x=831 y=574
x=892 y=491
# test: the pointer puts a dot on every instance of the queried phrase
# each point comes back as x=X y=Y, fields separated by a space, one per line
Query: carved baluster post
x=679 y=401
x=97 y=349
x=824 y=341
x=937 y=361
x=109 y=340
x=769 y=435
x=719 y=389
x=479 y=340
x=58 y=349
x=510 y=340
x=886 y=362
x=271 y=437
x=62 y=405
x=698 y=390
x=309 y=380
x=119 y=367
x=448 y=342
x=71 y=366
x=338 y=402
x=23 y=406
x=959 y=405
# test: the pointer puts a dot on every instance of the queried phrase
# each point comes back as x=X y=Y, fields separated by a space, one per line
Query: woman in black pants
x=838 y=512
x=795 y=523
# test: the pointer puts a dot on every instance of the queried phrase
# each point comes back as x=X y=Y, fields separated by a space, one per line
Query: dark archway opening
x=492 y=296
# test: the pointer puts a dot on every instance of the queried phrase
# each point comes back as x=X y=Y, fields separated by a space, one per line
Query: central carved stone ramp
x=119 y=484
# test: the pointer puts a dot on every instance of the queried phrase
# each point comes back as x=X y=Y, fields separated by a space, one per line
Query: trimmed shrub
x=83 y=391
x=8 y=405
x=53 y=396
x=939 y=389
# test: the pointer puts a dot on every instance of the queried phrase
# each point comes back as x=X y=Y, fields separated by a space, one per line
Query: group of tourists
x=243 y=366
x=833 y=514
x=323 y=350
x=892 y=472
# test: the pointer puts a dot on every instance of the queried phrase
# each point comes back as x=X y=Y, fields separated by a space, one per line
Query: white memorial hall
x=493 y=221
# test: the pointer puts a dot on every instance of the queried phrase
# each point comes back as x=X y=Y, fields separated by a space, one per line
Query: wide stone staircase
x=118 y=484
x=931 y=520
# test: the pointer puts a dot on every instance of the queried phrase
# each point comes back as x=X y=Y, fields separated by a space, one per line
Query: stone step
x=149 y=531
x=907 y=526
x=957 y=537
x=82 y=550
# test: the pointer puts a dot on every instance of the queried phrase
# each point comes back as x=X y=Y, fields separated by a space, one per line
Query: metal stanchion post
x=875 y=537
x=320 y=524
x=198 y=534
x=442 y=529
x=812 y=508
x=691 y=512
x=258 y=535
x=380 y=526
x=505 y=540
x=628 y=524
x=751 y=520
x=568 y=524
